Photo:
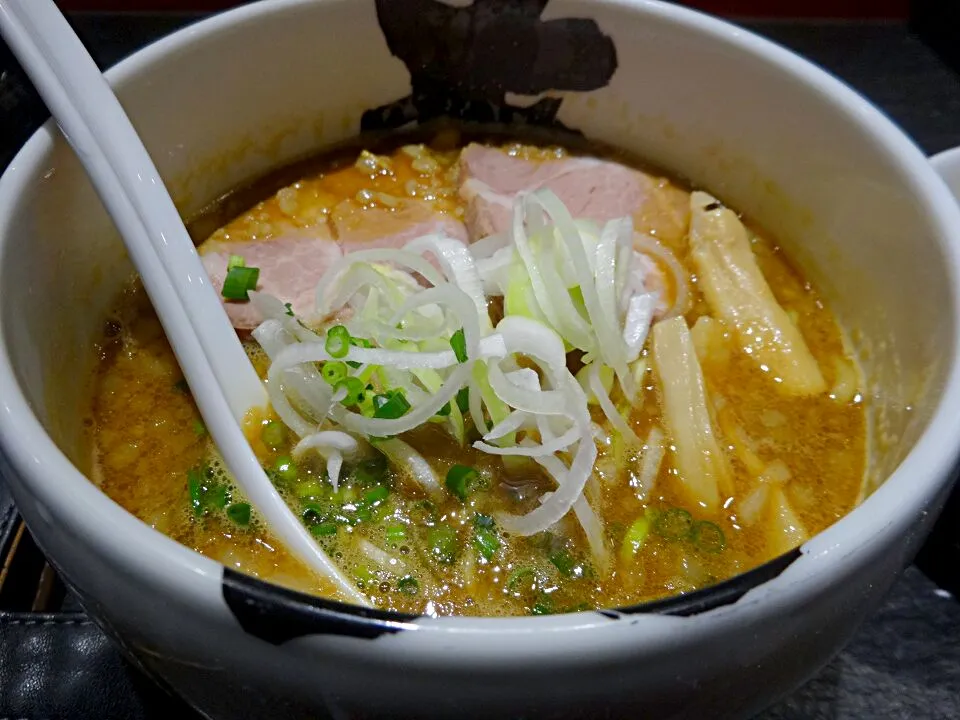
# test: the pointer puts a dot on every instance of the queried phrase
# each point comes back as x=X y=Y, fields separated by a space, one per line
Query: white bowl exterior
x=226 y=100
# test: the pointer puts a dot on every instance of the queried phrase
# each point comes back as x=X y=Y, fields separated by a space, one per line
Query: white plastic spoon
x=220 y=376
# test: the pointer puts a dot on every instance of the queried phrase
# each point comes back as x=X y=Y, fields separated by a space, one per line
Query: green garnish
x=463 y=400
x=273 y=434
x=285 y=469
x=443 y=543
x=308 y=489
x=673 y=524
x=518 y=576
x=396 y=534
x=289 y=308
x=459 y=344
x=563 y=561
x=708 y=537
x=363 y=514
x=338 y=341
x=460 y=478
x=444 y=411
x=543 y=606
x=324 y=529
x=363 y=574
x=408 y=585
x=235 y=261
x=239 y=513
x=333 y=371
x=199 y=428
x=634 y=538
x=239 y=281
x=356 y=392
x=360 y=342
x=390 y=405
x=205 y=494
x=485 y=538
x=376 y=496
x=314 y=512
x=182 y=386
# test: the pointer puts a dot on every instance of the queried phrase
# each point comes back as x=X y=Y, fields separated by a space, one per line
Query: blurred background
x=756 y=8
x=937 y=22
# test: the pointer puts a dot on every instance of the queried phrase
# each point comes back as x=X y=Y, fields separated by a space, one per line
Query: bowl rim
x=38 y=460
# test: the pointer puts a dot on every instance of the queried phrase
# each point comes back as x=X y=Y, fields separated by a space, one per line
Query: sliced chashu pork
x=291 y=264
x=394 y=227
x=600 y=190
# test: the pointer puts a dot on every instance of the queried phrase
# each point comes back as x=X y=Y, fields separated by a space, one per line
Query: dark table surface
x=905 y=661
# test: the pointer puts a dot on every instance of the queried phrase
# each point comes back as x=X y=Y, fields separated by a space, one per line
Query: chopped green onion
x=634 y=538
x=239 y=281
x=460 y=478
x=463 y=400
x=195 y=487
x=205 y=494
x=408 y=585
x=314 y=512
x=708 y=537
x=309 y=489
x=285 y=469
x=483 y=521
x=199 y=428
x=485 y=538
x=396 y=534
x=239 y=513
x=354 y=364
x=563 y=561
x=363 y=574
x=346 y=495
x=324 y=529
x=360 y=342
x=376 y=496
x=273 y=434
x=444 y=544
x=444 y=411
x=674 y=524
x=355 y=391
x=390 y=405
x=289 y=308
x=543 y=606
x=518 y=576
x=363 y=514
x=423 y=512
x=338 y=341
x=235 y=261
x=333 y=371
x=459 y=344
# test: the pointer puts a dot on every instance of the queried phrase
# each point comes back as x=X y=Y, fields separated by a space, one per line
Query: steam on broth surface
x=703 y=416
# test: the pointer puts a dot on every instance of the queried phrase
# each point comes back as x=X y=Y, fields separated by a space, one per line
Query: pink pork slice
x=292 y=264
x=362 y=229
x=290 y=268
x=591 y=189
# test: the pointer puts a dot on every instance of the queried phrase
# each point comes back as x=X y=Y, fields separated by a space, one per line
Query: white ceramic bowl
x=236 y=95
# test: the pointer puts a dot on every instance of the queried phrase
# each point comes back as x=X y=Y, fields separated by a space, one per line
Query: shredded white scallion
x=418 y=346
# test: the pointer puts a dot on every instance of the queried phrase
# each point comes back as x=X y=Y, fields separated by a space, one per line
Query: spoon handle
x=220 y=376
x=101 y=134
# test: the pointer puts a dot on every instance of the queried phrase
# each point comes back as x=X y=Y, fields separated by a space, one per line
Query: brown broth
x=149 y=435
